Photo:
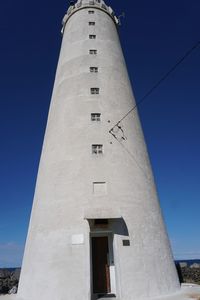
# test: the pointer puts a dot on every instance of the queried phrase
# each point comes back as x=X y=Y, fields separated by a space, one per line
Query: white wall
x=53 y=268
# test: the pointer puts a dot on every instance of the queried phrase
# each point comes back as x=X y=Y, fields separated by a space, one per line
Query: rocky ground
x=189 y=273
x=9 y=279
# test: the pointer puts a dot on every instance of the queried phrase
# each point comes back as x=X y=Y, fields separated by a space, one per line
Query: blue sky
x=154 y=35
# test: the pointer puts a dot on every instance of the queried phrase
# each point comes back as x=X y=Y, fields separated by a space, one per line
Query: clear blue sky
x=154 y=34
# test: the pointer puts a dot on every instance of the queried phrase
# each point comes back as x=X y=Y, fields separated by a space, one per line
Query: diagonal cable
x=179 y=62
x=132 y=156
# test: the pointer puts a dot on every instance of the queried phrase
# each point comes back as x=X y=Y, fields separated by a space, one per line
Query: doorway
x=100 y=265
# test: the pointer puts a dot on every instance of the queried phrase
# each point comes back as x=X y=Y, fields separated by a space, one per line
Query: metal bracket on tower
x=121 y=16
x=72 y=3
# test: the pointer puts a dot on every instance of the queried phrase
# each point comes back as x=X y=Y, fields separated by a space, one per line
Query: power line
x=179 y=62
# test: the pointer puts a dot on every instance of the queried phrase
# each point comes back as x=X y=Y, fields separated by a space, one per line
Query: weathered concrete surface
x=187 y=292
x=9 y=297
x=57 y=261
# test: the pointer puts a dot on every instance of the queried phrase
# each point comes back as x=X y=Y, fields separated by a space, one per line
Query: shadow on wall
x=117 y=225
x=120 y=226
x=179 y=271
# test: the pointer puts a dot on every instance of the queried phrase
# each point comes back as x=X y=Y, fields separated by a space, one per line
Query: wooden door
x=100 y=266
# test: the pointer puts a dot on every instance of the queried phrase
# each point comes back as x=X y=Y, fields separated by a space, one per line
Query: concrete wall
x=54 y=268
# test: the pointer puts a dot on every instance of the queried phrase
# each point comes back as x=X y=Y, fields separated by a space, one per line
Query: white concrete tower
x=96 y=228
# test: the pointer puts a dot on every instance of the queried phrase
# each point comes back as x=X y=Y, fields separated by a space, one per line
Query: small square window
x=94 y=69
x=92 y=36
x=95 y=117
x=97 y=149
x=90 y=12
x=99 y=188
x=126 y=243
x=93 y=51
x=91 y=23
x=94 y=91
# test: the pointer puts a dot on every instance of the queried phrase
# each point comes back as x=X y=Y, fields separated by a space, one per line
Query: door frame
x=110 y=236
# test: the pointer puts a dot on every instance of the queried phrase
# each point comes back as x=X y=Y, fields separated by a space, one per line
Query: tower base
x=187 y=292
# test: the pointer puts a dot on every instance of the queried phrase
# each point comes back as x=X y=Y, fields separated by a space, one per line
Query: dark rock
x=195 y=265
x=183 y=264
x=13 y=290
x=16 y=273
x=189 y=274
x=9 y=279
x=4 y=273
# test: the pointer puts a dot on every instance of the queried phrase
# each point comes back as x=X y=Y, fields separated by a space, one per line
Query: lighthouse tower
x=96 y=227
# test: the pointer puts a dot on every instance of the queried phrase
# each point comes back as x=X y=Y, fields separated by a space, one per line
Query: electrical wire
x=179 y=62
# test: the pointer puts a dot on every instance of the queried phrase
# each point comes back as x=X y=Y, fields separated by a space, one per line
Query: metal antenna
x=121 y=16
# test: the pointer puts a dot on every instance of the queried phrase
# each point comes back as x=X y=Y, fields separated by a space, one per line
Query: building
x=96 y=227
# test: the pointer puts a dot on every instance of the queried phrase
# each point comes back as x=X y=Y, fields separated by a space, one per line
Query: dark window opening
x=94 y=69
x=126 y=243
x=96 y=117
x=94 y=91
x=93 y=51
x=97 y=149
x=92 y=36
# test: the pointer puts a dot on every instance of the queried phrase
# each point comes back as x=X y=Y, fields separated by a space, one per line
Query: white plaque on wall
x=77 y=239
